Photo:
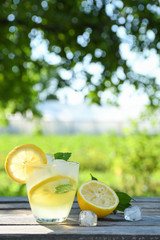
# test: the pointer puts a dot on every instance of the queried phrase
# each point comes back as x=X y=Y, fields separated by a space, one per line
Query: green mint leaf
x=124 y=201
x=64 y=188
x=93 y=178
x=64 y=156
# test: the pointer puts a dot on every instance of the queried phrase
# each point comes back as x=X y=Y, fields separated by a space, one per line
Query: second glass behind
x=51 y=189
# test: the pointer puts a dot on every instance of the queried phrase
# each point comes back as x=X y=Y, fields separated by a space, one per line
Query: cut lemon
x=97 y=197
x=19 y=156
x=53 y=191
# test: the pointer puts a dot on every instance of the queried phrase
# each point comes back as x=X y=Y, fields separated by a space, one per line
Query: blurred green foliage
x=80 y=33
x=128 y=162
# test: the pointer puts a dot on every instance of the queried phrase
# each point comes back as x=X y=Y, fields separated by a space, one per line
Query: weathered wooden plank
x=12 y=209
x=13 y=199
x=25 y=199
x=148 y=212
x=151 y=213
x=142 y=204
x=28 y=219
x=74 y=212
x=111 y=220
x=14 y=206
x=147 y=199
x=15 y=211
x=28 y=211
x=145 y=207
x=81 y=231
x=147 y=204
x=25 y=205
x=75 y=237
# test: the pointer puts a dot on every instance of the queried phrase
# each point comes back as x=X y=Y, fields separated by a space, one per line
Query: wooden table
x=17 y=222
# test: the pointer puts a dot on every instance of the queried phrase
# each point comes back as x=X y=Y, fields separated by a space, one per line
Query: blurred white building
x=61 y=118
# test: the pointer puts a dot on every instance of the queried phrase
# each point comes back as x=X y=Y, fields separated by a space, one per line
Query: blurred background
x=83 y=77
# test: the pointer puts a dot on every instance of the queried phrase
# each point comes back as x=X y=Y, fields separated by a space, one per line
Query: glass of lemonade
x=51 y=189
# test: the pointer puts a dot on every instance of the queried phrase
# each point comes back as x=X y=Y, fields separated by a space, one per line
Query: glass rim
x=50 y=164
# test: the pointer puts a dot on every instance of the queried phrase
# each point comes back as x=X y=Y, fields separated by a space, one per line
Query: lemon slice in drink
x=19 y=156
x=53 y=191
x=97 y=197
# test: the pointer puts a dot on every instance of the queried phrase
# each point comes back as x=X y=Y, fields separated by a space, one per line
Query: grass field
x=130 y=163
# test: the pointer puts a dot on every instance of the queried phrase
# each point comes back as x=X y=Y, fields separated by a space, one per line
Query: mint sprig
x=64 y=188
x=64 y=156
x=124 y=199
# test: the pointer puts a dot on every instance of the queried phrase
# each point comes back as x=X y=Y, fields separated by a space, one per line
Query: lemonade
x=51 y=183
x=52 y=199
x=51 y=189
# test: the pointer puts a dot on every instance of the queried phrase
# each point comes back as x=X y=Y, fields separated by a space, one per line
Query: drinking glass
x=51 y=189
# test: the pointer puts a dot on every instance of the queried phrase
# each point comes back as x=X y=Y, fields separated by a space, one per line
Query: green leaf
x=123 y=197
x=124 y=201
x=93 y=178
x=64 y=188
x=64 y=156
x=122 y=207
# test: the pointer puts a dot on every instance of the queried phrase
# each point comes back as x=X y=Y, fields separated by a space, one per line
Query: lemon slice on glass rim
x=97 y=197
x=19 y=156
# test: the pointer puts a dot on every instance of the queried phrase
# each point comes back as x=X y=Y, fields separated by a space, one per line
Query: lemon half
x=97 y=197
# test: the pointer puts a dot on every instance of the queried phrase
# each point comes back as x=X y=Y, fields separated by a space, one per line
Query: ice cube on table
x=132 y=213
x=87 y=219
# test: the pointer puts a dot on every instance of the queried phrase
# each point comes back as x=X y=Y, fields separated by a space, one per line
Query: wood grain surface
x=17 y=222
